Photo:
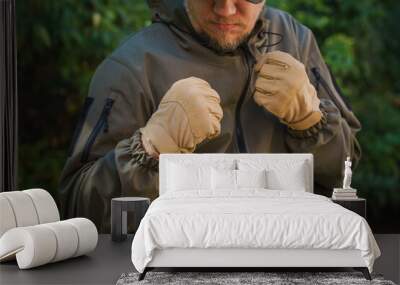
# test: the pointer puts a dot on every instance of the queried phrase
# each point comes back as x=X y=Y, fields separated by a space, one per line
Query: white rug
x=231 y=278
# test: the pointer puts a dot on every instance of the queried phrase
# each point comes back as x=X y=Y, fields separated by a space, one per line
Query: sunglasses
x=255 y=1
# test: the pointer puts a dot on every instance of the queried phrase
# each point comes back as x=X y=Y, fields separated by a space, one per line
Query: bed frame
x=241 y=259
x=250 y=258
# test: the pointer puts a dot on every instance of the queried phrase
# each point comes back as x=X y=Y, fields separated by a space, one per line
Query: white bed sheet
x=250 y=218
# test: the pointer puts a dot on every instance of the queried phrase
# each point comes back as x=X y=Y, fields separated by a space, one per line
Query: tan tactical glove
x=189 y=112
x=283 y=88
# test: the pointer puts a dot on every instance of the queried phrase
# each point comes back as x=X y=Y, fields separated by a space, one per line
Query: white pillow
x=251 y=178
x=293 y=180
x=282 y=174
x=229 y=179
x=183 y=177
x=223 y=179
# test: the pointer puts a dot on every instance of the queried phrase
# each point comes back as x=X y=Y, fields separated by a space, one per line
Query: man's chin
x=223 y=45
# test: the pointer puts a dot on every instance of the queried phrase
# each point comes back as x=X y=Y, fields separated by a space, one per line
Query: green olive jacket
x=106 y=158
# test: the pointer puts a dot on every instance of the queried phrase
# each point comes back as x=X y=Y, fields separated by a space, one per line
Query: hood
x=173 y=12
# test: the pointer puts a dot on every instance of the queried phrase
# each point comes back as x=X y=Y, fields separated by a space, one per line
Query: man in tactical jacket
x=210 y=76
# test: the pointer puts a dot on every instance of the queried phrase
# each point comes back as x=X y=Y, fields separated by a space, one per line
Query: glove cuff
x=140 y=155
x=160 y=139
x=310 y=120
x=303 y=134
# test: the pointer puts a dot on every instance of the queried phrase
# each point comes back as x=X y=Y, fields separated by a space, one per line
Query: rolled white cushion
x=40 y=244
x=7 y=218
x=33 y=246
x=45 y=205
x=26 y=208
x=67 y=240
x=23 y=208
x=87 y=235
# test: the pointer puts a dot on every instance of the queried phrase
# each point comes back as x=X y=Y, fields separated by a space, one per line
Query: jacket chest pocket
x=320 y=81
x=101 y=125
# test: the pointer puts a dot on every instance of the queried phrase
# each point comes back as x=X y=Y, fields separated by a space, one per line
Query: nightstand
x=358 y=205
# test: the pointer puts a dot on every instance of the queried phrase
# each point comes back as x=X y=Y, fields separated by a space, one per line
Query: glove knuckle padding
x=40 y=244
x=188 y=113
x=216 y=127
x=283 y=88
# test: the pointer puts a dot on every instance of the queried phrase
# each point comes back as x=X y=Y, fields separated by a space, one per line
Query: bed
x=247 y=210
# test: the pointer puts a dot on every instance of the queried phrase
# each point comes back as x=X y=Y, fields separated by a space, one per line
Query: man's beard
x=222 y=46
x=211 y=42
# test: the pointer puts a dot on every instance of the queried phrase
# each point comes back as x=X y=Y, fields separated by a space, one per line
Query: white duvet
x=251 y=218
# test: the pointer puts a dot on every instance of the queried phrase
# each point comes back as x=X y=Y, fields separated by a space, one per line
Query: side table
x=119 y=208
x=358 y=205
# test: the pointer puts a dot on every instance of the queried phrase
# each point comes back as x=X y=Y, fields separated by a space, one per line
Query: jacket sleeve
x=334 y=138
x=106 y=157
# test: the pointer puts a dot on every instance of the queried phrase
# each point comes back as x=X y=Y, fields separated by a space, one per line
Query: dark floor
x=389 y=262
x=110 y=260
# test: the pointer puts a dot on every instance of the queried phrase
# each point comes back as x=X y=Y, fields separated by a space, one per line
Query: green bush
x=357 y=40
x=60 y=44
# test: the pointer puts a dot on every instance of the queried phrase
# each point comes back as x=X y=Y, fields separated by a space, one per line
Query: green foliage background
x=60 y=44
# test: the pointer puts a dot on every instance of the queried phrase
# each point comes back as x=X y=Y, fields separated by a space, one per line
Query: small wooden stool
x=119 y=208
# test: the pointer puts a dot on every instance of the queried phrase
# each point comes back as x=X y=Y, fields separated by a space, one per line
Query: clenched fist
x=283 y=88
x=189 y=112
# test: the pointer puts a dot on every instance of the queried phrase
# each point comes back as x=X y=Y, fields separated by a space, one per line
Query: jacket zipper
x=239 y=128
x=86 y=105
x=321 y=80
x=102 y=123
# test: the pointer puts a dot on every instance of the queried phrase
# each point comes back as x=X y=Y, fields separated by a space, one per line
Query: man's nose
x=224 y=8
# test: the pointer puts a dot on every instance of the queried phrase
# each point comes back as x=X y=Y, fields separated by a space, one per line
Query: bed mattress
x=251 y=219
